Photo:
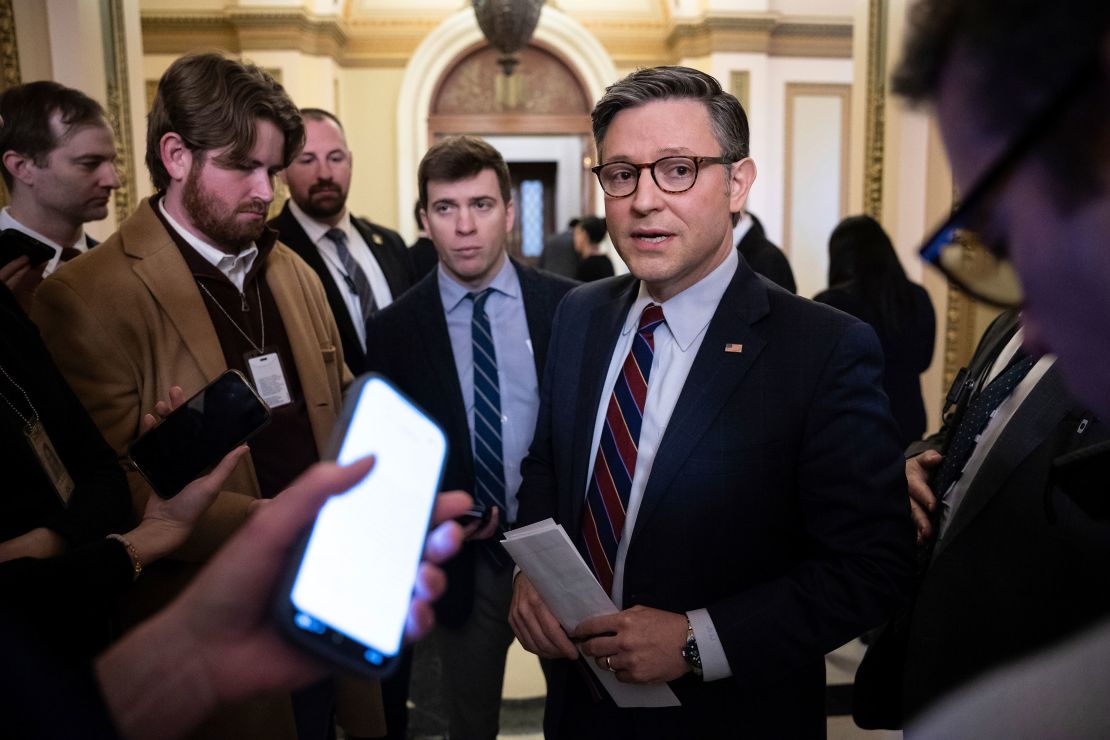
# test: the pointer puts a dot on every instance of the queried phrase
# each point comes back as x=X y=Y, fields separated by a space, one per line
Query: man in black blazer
x=430 y=342
x=1020 y=539
x=761 y=254
x=371 y=268
x=759 y=531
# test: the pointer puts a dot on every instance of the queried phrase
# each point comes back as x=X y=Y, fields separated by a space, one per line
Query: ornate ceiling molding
x=376 y=41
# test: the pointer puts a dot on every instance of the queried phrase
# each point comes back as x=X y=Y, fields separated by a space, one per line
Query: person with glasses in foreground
x=1021 y=90
x=699 y=439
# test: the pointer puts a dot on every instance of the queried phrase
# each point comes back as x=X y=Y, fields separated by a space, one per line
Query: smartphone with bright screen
x=350 y=593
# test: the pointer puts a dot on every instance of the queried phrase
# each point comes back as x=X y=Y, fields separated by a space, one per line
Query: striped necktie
x=615 y=463
x=489 y=465
x=353 y=274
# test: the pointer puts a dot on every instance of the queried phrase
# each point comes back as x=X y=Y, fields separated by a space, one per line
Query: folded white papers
x=547 y=556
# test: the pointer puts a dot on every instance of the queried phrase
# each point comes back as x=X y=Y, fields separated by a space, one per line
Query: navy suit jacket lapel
x=1034 y=421
x=536 y=313
x=394 y=272
x=602 y=329
x=435 y=344
x=713 y=379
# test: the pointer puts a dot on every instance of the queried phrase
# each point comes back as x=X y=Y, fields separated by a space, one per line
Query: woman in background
x=867 y=281
x=588 y=235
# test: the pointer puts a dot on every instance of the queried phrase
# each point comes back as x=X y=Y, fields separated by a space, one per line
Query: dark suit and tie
x=409 y=342
x=1023 y=539
x=759 y=507
x=387 y=249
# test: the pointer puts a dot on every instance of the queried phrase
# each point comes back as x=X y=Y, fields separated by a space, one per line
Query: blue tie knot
x=480 y=299
x=337 y=236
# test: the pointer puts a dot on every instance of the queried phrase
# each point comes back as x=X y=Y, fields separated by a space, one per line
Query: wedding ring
x=609 y=666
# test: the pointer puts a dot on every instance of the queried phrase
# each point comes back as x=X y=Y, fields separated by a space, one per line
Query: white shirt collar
x=452 y=292
x=315 y=230
x=229 y=264
x=689 y=312
x=8 y=221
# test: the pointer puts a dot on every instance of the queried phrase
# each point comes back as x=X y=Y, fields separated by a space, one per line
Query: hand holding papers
x=550 y=560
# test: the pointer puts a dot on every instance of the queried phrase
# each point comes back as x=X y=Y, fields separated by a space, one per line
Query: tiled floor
x=522 y=712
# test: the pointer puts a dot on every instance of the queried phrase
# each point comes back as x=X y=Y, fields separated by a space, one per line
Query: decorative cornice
x=390 y=40
x=762 y=33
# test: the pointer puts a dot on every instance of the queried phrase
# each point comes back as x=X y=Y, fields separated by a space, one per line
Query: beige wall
x=368 y=108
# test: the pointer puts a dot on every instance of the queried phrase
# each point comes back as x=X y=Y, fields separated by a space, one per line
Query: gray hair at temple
x=726 y=115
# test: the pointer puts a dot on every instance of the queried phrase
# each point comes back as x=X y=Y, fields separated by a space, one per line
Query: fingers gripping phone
x=346 y=596
x=198 y=433
x=14 y=244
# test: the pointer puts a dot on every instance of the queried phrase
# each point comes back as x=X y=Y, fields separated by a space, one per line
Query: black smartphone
x=196 y=435
x=347 y=592
x=476 y=513
x=14 y=244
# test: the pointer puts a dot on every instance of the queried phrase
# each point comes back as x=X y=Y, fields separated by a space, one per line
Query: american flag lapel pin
x=732 y=347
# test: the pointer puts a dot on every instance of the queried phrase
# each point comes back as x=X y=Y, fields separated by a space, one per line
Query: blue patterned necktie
x=975 y=420
x=615 y=463
x=489 y=466
x=355 y=277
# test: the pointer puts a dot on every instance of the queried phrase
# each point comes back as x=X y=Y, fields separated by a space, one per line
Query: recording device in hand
x=15 y=244
x=347 y=592
x=196 y=435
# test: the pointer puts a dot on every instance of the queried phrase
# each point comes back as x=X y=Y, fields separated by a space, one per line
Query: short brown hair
x=27 y=110
x=726 y=115
x=213 y=102
x=459 y=158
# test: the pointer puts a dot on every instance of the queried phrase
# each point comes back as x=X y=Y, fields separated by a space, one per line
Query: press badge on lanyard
x=268 y=376
x=51 y=464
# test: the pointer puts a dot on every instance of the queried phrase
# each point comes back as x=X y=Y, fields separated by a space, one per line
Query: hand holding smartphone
x=347 y=593
x=197 y=434
x=14 y=244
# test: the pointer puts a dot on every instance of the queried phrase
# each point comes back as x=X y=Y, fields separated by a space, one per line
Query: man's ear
x=20 y=166
x=741 y=176
x=424 y=220
x=510 y=216
x=177 y=158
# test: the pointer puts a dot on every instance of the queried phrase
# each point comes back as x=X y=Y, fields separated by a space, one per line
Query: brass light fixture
x=508 y=25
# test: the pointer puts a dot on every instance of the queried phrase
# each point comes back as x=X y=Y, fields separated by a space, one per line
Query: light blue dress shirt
x=516 y=370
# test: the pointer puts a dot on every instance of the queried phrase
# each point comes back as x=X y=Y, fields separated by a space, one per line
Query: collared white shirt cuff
x=714 y=664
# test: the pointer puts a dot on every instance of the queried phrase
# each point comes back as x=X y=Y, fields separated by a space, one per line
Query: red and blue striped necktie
x=615 y=463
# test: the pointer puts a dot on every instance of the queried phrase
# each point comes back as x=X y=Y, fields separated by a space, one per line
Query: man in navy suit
x=720 y=450
x=469 y=344
x=364 y=267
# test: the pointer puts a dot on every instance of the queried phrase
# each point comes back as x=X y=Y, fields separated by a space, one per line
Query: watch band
x=690 y=650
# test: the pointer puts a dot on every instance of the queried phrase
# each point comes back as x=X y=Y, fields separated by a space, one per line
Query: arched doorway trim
x=438 y=52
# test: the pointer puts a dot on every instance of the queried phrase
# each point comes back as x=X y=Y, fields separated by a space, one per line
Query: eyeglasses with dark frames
x=671 y=174
x=979 y=266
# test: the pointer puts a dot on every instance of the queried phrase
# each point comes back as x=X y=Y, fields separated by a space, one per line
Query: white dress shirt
x=8 y=221
x=234 y=266
x=362 y=255
x=677 y=341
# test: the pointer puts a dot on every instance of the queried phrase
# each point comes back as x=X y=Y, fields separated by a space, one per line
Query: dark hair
x=595 y=229
x=459 y=158
x=213 y=102
x=730 y=123
x=862 y=261
x=27 y=110
x=319 y=114
x=1018 y=53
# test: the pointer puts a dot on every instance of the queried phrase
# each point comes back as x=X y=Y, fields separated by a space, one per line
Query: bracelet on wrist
x=136 y=561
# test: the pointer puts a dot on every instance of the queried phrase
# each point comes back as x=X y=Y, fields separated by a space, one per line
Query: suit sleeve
x=537 y=498
x=855 y=525
x=100 y=370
